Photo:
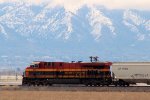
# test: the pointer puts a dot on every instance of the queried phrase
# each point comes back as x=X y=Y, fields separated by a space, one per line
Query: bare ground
x=76 y=88
x=72 y=95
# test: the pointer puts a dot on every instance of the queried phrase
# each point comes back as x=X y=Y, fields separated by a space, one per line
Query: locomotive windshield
x=34 y=65
x=24 y=74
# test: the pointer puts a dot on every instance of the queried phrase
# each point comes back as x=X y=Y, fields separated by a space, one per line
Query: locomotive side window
x=49 y=64
x=60 y=64
x=32 y=66
x=101 y=67
x=53 y=64
x=45 y=64
x=36 y=65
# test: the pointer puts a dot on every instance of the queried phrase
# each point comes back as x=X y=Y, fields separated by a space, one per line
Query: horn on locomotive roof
x=95 y=59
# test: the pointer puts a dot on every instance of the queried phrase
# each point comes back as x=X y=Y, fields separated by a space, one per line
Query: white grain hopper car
x=132 y=72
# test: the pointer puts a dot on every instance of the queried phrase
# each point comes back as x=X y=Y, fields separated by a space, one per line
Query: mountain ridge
x=42 y=30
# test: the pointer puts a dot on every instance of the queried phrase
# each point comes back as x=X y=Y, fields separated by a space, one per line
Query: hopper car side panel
x=132 y=72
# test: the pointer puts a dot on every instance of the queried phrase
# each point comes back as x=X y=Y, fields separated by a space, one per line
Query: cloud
x=74 y=5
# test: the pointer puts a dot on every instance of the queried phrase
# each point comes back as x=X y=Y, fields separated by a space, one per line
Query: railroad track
x=75 y=88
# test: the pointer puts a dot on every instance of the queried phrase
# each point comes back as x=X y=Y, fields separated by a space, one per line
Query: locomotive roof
x=37 y=62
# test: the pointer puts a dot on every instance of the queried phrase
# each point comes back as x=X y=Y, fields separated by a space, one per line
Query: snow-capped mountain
x=44 y=30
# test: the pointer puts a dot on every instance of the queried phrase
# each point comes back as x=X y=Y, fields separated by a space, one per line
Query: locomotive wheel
x=120 y=84
x=29 y=84
x=86 y=85
x=45 y=83
x=128 y=84
x=49 y=84
x=41 y=83
x=25 y=84
x=116 y=85
x=97 y=84
x=33 y=84
x=103 y=84
x=37 y=83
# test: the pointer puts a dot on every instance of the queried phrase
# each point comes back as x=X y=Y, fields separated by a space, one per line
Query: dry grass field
x=72 y=95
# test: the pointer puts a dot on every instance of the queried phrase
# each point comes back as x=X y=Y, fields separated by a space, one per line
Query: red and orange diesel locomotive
x=87 y=73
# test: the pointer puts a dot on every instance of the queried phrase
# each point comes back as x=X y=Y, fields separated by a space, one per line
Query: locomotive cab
x=35 y=65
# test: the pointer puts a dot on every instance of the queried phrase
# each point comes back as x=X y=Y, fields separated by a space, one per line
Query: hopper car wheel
x=117 y=84
x=120 y=84
x=49 y=84
x=127 y=84
x=123 y=84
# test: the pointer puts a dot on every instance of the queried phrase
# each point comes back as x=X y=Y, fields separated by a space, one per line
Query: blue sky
x=74 y=5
